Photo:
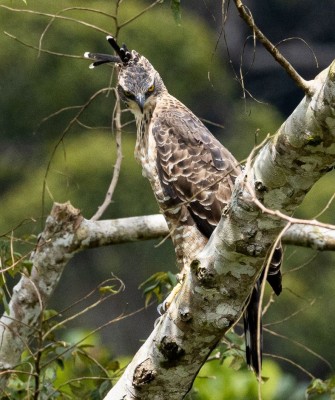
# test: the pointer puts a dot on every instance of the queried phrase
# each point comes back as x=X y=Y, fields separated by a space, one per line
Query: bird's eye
x=151 y=89
x=127 y=93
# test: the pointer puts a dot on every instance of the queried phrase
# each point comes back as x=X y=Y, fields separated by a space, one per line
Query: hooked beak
x=140 y=100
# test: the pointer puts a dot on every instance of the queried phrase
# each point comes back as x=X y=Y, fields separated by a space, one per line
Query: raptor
x=191 y=173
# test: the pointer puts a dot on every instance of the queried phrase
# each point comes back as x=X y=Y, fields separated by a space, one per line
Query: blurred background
x=200 y=61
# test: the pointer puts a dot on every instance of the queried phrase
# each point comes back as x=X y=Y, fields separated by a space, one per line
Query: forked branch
x=246 y=15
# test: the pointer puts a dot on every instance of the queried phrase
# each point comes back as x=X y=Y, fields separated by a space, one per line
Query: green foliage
x=158 y=285
x=319 y=389
x=60 y=362
x=217 y=380
x=65 y=363
x=68 y=369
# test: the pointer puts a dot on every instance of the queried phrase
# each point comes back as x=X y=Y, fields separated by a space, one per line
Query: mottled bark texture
x=213 y=294
x=66 y=232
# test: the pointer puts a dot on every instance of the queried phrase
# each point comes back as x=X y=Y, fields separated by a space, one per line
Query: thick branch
x=66 y=232
x=54 y=249
x=131 y=229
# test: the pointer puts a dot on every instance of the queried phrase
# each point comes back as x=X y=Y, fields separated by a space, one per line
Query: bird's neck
x=142 y=141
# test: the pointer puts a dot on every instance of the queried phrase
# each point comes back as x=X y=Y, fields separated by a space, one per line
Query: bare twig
x=276 y=356
x=88 y=25
x=54 y=53
x=64 y=133
x=304 y=42
x=53 y=18
x=119 y=157
x=306 y=348
x=260 y=308
x=246 y=15
x=89 y=307
x=326 y=206
x=300 y=310
x=139 y=14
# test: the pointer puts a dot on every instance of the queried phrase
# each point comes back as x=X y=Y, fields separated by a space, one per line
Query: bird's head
x=139 y=84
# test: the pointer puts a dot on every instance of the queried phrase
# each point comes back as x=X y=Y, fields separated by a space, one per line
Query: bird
x=191 y=173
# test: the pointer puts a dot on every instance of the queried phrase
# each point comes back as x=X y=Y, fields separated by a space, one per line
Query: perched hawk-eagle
x=192 y=175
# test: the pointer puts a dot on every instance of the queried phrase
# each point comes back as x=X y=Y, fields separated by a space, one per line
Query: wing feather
x=194 y=167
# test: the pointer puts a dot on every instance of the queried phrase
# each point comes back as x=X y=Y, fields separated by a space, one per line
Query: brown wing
x=194 y=168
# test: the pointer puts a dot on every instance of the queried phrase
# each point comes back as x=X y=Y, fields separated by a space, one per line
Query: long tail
x=253 y=339
x=253 y=327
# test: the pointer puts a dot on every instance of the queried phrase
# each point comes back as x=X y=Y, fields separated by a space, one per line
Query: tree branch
x=214 y=291
x=66 y=233
x=119 y=157
x=246 y=15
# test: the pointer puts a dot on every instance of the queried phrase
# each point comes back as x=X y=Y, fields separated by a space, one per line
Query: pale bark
x=213 y=295
x=66 y=232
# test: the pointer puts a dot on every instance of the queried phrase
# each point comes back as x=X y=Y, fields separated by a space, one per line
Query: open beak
x=140 y=100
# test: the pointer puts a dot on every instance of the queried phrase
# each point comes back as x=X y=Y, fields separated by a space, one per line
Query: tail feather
x=253 y=340
x=274 y=275
x=253 y=343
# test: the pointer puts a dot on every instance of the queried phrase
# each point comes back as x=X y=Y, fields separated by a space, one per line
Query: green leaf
x=319 y=387
x=113 y=365
x=176 y=11
x=237 y=361
x=156 y=285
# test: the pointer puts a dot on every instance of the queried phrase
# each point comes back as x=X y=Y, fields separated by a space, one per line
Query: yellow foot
x=162 y=308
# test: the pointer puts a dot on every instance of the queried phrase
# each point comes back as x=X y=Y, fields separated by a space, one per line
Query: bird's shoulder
x=194 y=167
x=180 y=135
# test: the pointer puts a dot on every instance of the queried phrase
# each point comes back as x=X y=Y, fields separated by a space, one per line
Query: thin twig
x=326 y=206
x=139 y=14
x=61 y=140
x=117 y=166
x=259 y=311
x=119 y=318
x=246 y=15
x=71 y=9
x=306 y=348
x=302 y=309
x=54 y=53
x=87 y=308
x=88 y=25
x=290 y=362
x=304 y=42
x=54 y=114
